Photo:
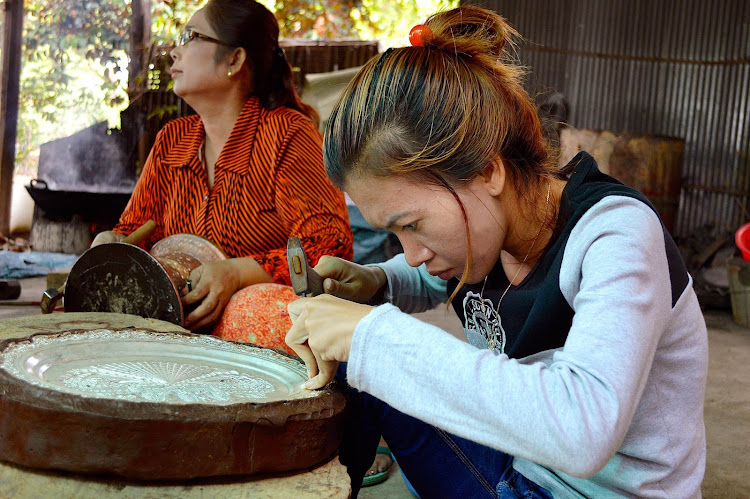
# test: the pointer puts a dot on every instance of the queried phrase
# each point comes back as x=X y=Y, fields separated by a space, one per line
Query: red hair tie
x=419 y=35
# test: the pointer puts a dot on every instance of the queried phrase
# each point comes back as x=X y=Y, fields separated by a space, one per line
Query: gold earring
x=229 y=73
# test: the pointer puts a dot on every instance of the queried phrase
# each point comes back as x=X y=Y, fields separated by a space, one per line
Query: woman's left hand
x=213 y=285
x=321 y=334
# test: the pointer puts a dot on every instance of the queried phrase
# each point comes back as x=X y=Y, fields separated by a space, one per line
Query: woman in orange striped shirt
x=247 y=171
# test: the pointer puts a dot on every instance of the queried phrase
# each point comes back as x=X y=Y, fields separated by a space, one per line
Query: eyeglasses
x=188 y=35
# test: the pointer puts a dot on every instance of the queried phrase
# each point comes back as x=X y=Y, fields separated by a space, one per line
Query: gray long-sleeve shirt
x=617 y=411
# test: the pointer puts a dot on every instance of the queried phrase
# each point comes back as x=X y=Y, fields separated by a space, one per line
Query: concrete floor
x=727 y=409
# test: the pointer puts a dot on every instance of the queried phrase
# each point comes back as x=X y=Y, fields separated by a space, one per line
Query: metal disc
x=166 y=368
x=122 y=278
x=198 y=247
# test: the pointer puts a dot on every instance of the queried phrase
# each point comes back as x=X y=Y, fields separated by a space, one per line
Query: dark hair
x=443 y=112
x=250 y=25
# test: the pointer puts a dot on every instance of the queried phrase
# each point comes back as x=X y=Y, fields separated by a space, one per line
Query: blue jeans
x=436 y=463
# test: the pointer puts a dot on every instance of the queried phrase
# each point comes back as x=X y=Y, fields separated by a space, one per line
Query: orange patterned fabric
x=257 y=314
x=269 y=184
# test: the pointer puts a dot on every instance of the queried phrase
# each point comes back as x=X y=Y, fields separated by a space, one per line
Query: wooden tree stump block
x=72 y=237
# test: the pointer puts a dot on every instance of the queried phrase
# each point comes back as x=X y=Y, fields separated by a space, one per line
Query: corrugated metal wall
x=665 y=67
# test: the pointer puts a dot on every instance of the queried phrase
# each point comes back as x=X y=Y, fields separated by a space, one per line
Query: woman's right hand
x=107 y=237
x=349 y=280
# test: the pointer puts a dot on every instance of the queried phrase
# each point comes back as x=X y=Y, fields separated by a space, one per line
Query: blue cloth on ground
x=15 y=265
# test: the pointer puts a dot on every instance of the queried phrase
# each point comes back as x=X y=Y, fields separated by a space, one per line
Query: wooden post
x=9 y=89
x=141 y=41
x=140 y=47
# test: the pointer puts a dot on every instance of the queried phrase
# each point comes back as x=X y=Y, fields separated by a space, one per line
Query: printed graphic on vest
x=481 y=323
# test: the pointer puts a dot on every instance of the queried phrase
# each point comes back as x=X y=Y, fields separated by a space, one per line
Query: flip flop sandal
x=382 y=475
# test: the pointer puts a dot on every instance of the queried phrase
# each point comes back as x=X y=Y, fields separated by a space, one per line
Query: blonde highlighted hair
x=442 y=111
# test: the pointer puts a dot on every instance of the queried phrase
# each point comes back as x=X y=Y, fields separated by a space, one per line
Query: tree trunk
x=10 y=80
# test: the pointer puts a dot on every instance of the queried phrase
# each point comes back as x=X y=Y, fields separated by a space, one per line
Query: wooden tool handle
x=141 y=233
x=316 y=282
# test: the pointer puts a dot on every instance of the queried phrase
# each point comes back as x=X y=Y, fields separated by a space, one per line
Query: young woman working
x=585 y=367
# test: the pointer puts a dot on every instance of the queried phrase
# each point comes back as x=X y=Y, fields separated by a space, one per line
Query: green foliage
x=98 y=28
x=168 y=17
x=56 y=31
x=386 y=20
x=316 y=18
x=74 y=70
x=391 y=20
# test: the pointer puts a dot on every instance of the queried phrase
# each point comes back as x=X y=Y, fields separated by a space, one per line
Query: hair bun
x=471 y=30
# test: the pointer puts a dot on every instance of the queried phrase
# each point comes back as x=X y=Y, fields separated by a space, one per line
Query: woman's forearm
x=250 y=272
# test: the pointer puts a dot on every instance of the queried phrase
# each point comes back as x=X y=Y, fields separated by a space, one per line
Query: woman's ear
x=494 y=176
x=237 y=59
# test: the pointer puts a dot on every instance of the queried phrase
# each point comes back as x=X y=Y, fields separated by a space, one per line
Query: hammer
x=305 y=281
x=52 y=295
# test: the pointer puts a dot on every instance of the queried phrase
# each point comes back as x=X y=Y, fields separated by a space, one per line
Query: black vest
x=534 y=315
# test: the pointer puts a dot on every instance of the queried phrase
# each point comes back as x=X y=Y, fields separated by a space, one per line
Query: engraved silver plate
x=145 y=366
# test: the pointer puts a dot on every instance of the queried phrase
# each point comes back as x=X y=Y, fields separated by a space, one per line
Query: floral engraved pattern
x=146 y=366
x=165 y=382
